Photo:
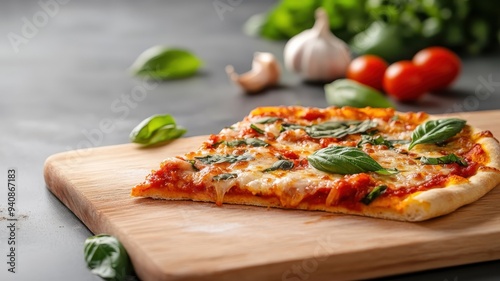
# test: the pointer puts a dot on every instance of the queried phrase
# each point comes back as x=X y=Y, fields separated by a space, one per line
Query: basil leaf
x=223 y=177
x=334 y=129
x=280 y=165
x=193 y=164
x=434 y=131
x=345 y=160
x=379 y=140
x=155 y=129
x=268 y=120
x=448 y=159
x=106 y=257
x=346 y=92
x=216 y=159
x=250 y=141
x=161 y=62
x=376 y=192
x=257 y=129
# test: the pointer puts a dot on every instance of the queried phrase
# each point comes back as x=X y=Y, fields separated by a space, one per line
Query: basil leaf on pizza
x=334 y=129
x=435 y=131
x=346 y=160
x=447 y=159
x=217 y=159
x=280 y=165
x=268 y=120
x=250 y=141
x=257 y=129
x=376 y=192
x=223 y=177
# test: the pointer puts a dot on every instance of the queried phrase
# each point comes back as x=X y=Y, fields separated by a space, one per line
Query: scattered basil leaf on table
x=435 y=131
x=448 y=159
x=161 y=62
x=106 y=257
x=376 y=192
x=156 y=129
x=334 y=129
x=346 y=92
x=280 y=165
x=346 y=160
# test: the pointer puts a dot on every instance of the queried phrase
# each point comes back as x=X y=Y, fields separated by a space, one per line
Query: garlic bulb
x=265 y=73
x=316 y=54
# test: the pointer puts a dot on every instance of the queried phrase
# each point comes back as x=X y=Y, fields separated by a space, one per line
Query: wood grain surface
x=200 y=241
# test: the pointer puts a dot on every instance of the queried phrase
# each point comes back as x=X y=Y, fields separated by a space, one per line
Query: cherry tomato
x=404 y=81
x=368 y=70
x=439 y=65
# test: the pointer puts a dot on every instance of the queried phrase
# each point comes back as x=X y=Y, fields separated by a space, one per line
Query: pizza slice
x=370 y=162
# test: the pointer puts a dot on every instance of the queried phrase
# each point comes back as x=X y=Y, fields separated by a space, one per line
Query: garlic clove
x=316 y=54
x=265 y=72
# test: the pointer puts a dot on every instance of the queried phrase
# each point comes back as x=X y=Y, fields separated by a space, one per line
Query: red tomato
x=404 y=81
x=439 y=65
x=368 y=70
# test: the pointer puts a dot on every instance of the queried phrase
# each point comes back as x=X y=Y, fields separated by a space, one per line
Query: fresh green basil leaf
x=280 y=165
x=257 y=129
x=376 y=192
x=216 y=158
x=106 y=257
x=346 y=92
x=156 y=129
x=434 y=131
x=223 y=177
x=345 y=160
x=387 y=172
x=161 y=62
x=268 y=120
x=379 y=140
x=250 y=141
x=448 y=159
x=334 y=129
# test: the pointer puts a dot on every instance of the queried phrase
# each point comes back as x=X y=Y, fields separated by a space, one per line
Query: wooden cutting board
x=200 y=241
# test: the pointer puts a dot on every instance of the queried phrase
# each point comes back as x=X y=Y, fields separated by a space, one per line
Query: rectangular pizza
x=361 y=161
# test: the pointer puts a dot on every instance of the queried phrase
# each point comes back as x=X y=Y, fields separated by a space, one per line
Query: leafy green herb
x=223 y=177
x=379 y=140
x=346 y=160
x=435 y=131
x=257 y=129
x=268 y=120
x=156 y=129
x=448 y=159
x=160 y=62
x=106 y=257
x=346 y=92
x=280 y=165
x=250 y=141
x=216 y=159
x=376 y=192
x=334 y=129
x=193 y=164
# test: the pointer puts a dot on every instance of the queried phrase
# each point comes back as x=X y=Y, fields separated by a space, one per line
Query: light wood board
x=200 y=241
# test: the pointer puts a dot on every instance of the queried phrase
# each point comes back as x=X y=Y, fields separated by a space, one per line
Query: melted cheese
x=293 y=185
